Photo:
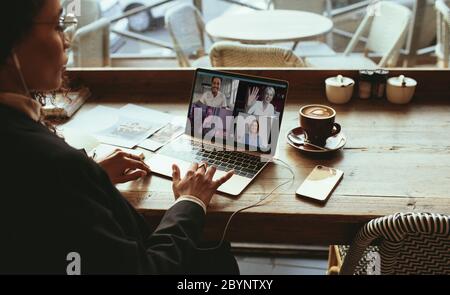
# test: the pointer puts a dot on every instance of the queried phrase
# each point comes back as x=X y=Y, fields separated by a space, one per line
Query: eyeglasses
x=67 y=25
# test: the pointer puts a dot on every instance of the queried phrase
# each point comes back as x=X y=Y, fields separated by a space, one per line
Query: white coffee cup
x=339 y=89
x=400 y=90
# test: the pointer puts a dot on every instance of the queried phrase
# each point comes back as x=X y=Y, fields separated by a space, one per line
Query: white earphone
x=19 y=70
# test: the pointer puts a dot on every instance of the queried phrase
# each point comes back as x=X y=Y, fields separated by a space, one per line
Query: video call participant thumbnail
x=213 y=97
x=262 y=107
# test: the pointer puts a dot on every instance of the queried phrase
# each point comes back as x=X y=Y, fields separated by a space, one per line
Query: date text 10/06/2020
x=225 y=285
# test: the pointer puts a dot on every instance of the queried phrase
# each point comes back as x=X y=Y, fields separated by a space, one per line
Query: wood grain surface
x=397 y=157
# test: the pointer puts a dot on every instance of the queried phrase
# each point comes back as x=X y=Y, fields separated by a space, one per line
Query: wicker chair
x=443 y=33
x=402 y=243
x=313 y=47
x=233 y=54
x=187 y=30
x=389 y=23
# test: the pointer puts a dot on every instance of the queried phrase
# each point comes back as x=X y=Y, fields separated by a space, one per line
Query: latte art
x=318 y=112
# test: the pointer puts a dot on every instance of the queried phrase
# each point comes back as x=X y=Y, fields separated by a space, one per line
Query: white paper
x=127 y=132
x=94 y=120
x=162 y=137
x=133 y=110
x=116 y=127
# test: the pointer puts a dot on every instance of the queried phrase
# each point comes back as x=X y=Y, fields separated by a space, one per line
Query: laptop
x=233 y=123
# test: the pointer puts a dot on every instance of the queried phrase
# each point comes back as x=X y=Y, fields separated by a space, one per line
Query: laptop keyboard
x=243 y=164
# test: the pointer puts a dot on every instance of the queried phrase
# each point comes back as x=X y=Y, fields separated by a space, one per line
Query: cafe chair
x=187 y=29
x=90 y=46
x=316 y=6
x=388 y=24
x=233 y=54
x=421 y=36
x=443 y=32
x=402 y=243
x=311 y=47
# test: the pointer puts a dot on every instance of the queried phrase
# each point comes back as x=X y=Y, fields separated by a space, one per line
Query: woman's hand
x=198 y=182
x=122 y=167
x=252 y=96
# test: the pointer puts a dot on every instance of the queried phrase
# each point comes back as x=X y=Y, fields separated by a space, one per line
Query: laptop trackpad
x=160 y=164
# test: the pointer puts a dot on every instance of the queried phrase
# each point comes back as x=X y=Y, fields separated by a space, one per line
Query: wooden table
x=397 y=158
x=269 y=26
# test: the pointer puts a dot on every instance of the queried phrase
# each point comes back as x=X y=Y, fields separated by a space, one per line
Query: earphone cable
x=256 y=204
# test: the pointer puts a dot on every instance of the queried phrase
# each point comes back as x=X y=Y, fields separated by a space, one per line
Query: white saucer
x=333 y=143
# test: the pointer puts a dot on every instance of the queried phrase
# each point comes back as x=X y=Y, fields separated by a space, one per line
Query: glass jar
x=365 y=83
x=379 y=83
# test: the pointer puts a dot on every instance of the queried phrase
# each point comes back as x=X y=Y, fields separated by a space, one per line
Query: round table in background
x=269 y=26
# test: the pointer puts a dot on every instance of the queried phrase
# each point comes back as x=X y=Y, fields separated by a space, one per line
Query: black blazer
x=55 y=200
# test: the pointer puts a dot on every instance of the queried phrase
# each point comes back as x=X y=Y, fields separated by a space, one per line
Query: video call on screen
x=242 y=112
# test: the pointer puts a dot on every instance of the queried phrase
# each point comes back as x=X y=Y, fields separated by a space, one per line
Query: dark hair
x=16 y=20
x=216 y=77
x=251 y=123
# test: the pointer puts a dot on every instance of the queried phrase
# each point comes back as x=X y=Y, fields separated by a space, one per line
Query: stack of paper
x=129 y=126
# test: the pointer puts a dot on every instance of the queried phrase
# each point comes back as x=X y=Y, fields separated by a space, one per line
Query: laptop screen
x=238 y=111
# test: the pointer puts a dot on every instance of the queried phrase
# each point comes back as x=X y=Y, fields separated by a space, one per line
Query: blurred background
x=172 y=33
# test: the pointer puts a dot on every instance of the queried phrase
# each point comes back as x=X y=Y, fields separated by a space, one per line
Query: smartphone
x=320 y=183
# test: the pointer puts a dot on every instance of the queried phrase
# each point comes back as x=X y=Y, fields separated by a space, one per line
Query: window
x=141 y=33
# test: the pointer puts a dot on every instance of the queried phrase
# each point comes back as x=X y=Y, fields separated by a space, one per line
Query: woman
x=56 y=200
x=252 y=137
x=261 y=108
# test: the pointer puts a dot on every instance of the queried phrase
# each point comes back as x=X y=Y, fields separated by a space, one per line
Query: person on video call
x=213 y=97
x=252 y=137
x=260 y=108
x=56 y=200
